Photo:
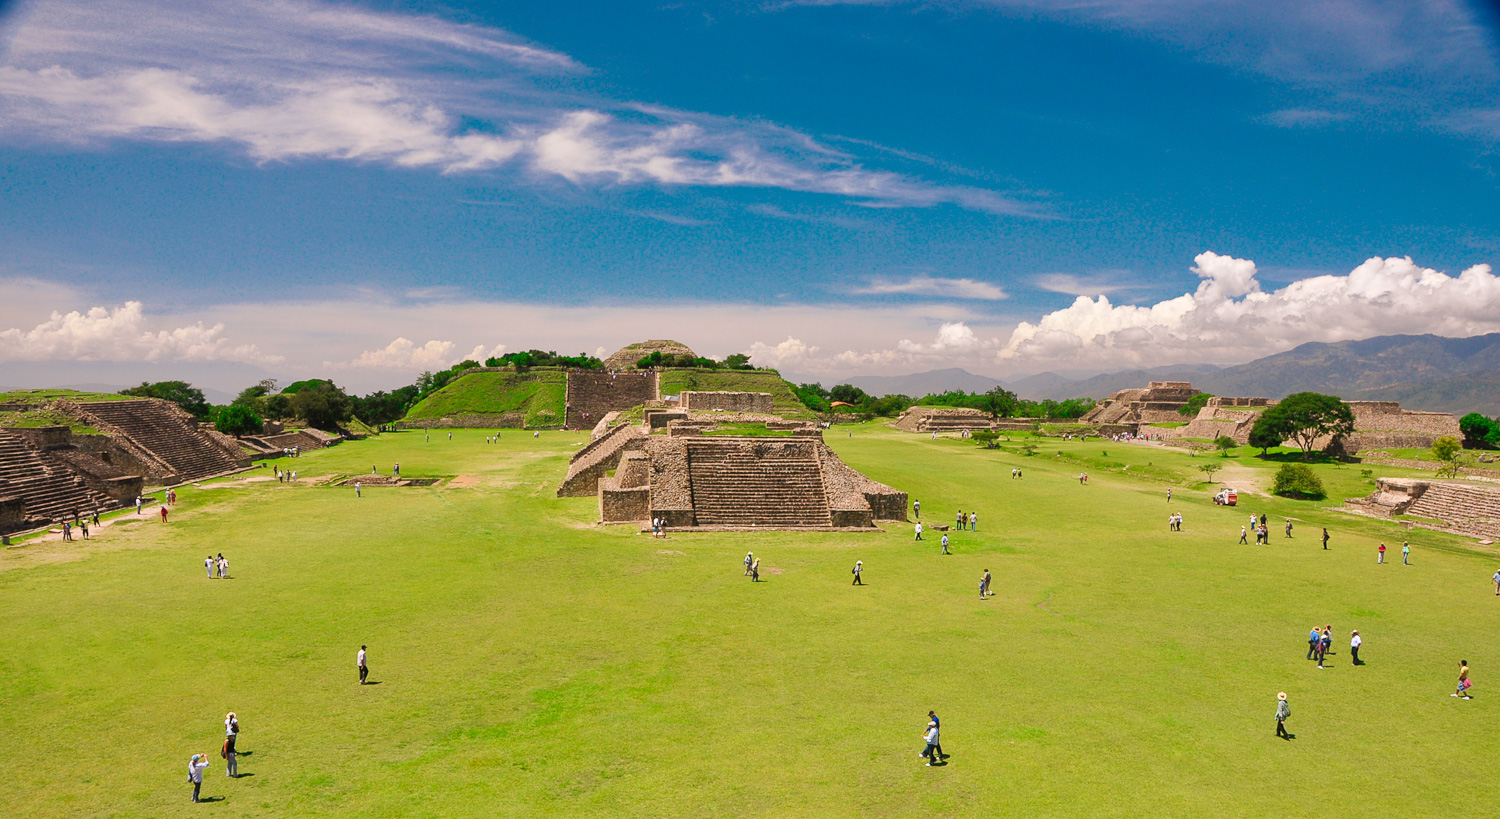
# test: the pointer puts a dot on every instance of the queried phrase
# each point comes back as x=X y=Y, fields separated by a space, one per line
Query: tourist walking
x=83 y=526
x=1313 y=639
x=1283 y=710
x=1243 y=540
x=163 y=514
x=1289 y=528
x=1169 y=496
x=919 y=530
x=1464 y=683
x=962 y=520
x=1325 y=537
x=210 y=564
x=931 y=753
x=138 y=502
x=195 y=772
x=1496 y=578
x=223 y=567
x=356 y=490
x=362 y=661
x=1354 y=643
x=859 y=566
x=1380 y=554
x=916 y=509
x=1406 y=554
x=1324 y=643
x=973 y=521
x=984 y=585
x=749 y=558
x=67 y=531
x=945 y=544
x=230 y=754
x=755 y=571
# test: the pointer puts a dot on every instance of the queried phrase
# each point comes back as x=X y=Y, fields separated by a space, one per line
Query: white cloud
x=1305 y=117
x=936 y=287
x=291 y=80
x=122 y=334
x=401 y=354
x=1230 y=319
x=1075 y=285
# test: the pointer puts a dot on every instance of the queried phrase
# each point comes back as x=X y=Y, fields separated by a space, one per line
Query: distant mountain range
x=1425 y=372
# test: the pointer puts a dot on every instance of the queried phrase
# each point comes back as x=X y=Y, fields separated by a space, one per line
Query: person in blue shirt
x=1313 y=639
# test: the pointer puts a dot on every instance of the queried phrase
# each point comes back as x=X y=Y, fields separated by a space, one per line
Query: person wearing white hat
x=195 y=772
x=859 y=566
x=749 y=559
x=1283 y=710
x=231 y=736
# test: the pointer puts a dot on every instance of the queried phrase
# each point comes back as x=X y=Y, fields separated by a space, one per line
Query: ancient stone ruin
x=592 y=394
x=626 y=357
x=701 y=401
x=689 y=479
x=1159 y=402
x=943 y=419
x=1457 y=507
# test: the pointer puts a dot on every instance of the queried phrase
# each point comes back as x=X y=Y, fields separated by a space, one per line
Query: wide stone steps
x=170 y=435
x=1471 y=510
x=594 y=394
x=737 y=488
x=52 y=491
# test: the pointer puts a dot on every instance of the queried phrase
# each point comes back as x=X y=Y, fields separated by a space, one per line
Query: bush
x=1297 y=481
x=1224 y=443
x=237 y=420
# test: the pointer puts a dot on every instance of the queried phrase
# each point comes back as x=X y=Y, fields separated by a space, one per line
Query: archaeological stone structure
x=689 y=477
x=943 y=419
x=592 y=394
x=626 y=357
x=1455 y=506
x=699 y=401
x=1159 y=402
x=163 y=439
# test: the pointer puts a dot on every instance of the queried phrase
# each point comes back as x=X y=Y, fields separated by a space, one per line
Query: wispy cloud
x=292 y=80
x=935 y=287
x=1080 y=286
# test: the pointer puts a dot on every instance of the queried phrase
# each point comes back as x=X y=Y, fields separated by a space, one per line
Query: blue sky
x=226 y=191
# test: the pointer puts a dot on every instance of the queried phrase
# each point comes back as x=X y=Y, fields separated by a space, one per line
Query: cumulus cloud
x=1229 y=318
x=401 y=354
x=291 y=80
x=937 y=287
x=122 y=334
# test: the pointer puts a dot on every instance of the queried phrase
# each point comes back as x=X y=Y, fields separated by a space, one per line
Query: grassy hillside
x=532 y=664
x=674 y=382
x=538 y=395
x=44 y=396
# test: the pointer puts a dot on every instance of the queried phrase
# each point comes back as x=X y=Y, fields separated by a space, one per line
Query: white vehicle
x=1226 y=497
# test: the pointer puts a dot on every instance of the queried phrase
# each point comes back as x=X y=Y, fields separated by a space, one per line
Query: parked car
x=1226 y=497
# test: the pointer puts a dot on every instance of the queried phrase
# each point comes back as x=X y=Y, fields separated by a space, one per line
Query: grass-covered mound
x=783 y=398
x=43 y=396
x=534 y=398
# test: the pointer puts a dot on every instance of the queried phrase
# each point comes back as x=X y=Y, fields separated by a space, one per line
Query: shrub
x=237 y=420
x=1297 y=481
x=1224 y=443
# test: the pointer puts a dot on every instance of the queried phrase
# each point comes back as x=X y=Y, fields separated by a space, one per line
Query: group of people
x=79 y=522
x=1174 y=521
x=658 y=527
x=933 y=752
x=752 y=568
x=283 y=476
x=1406 y=558
x=970 y=521
x=219 y=564
x=229 y=752
x=291 y=452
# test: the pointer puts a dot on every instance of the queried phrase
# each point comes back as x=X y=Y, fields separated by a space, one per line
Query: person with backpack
x=230 y=755
x=1283 y=710
x=195 y=772
x=859 y=567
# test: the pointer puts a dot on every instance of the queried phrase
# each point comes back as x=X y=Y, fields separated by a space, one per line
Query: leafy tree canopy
x=181 y=393
x=237 y=420
x=1197 y=402
x=322 y=405
x=1297 y=481
x=1303 y=418
x=1480 y=432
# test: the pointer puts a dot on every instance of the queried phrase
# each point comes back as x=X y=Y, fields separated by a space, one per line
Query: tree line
x=997 y=402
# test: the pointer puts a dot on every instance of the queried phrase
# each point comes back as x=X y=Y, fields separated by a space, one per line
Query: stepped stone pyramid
x=1458 y=507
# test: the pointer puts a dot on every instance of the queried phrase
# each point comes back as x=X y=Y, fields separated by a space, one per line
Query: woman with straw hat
x=1283 y=710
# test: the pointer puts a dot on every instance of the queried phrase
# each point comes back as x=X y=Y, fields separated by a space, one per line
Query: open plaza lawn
x=531 y=664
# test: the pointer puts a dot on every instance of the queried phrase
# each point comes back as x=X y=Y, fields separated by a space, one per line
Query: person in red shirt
x=164 y=514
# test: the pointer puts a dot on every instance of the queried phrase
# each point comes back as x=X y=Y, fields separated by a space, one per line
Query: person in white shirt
x=364 y=668
x=931 y=752
x=1496 y=578
x=223 y=566
x=919 y=530
x=195 y=772
x=208 y=564
x=749 y=559
x=1354 y=643
x=973 y=521
x=945 y=545
x=231 y=738
x=859 y=566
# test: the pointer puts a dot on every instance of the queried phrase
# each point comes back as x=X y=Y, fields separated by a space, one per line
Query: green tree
x=1479 y=432
x=277 y=406
x=1449 y=454
x=985 y=437
x=849 y=394
x=181 y=393
x=998 y=402
x=812 y=396
x=1224 y=443
x=1197 y=402
x=1303 y=418
x=251 y=396
x=1297 y=481
x=322 y=406
x=1209 y=469
x=1265 y=436
x=737 y=361
x=237 y=420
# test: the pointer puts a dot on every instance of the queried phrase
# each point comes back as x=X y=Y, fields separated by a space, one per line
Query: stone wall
x=929 y=419
x=591 y=463
x=660 y=418
x=1157 y=403
x=623 y=505
x=725 y=401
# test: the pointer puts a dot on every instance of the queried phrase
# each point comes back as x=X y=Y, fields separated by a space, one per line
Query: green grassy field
x=531 y=664
x=43 y=396
x=539 y=395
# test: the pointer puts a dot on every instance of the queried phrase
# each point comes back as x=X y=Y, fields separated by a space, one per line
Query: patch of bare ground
x=463 y=481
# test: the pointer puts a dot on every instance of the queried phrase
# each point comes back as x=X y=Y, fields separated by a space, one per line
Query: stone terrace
x=1458 y=507
x=163 y=437
x=593 y=394
x=942 y=419
x=48 y=489
x=756 y=482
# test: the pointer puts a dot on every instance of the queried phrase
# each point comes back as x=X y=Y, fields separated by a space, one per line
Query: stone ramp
x=593 y=394
x=602 y=454
x=48 y=488
x=753 y=483
x=166 y=434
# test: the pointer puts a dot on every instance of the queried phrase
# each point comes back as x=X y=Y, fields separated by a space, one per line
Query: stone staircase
x=166 y=432
x=602 y=454
x=50 y=489
x=746 y=482
x=1460 y=507
x=592 y=394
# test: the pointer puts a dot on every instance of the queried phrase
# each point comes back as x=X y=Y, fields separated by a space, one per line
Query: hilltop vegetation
x=535 y=396
x=783 y=399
